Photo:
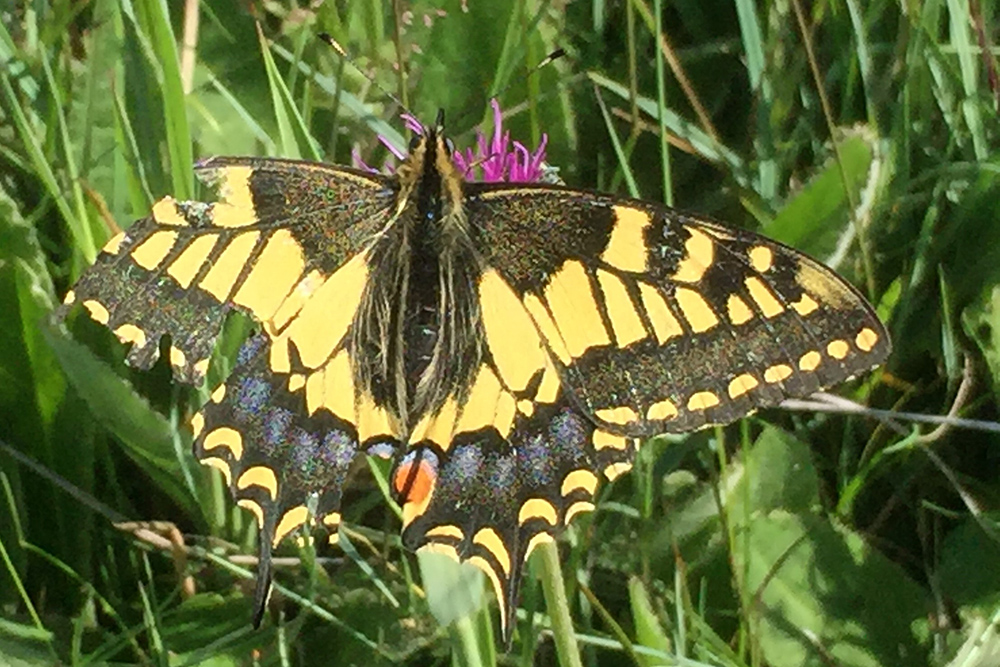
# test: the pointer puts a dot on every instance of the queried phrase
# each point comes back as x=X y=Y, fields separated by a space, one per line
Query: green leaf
x=209 y=629
x=981 y=321
x=293 y=134
x=454 y=590
x=648 y=630
x=817 y=219
x=781 y=474
x=146 y=436
x=154 y=23
x=19 y=652
x=27 y=381
x=968 y=572
x=820 y=595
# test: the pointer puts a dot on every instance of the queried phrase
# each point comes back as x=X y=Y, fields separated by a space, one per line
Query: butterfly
x=507 y=345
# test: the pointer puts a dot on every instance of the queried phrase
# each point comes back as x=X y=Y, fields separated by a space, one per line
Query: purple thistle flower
x=411 y=123
x=500 y=159
x=497 y=159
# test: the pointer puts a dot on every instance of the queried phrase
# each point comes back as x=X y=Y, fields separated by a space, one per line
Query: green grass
x=864 y=133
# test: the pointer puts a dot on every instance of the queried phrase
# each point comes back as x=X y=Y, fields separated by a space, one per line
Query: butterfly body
x=506 y=344
x=416 y=316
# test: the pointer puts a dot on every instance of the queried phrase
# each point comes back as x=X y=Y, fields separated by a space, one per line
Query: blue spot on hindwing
x=569 y=434
x=338 y=449
x=534 y=462
x=252 y=396
x=304 y=446
x=383 y=450
x=502 y=479
x=465 y=465
x=421 y=455
x=249 y=349
x=276 y=424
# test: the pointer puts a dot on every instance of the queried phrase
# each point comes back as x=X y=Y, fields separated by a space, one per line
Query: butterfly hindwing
x=663 y=322
x=286 y=441
x=489 y=495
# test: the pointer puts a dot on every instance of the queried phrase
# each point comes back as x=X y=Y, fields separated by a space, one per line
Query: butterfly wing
x=663 y=322
x=606 y=320
x=286 y=243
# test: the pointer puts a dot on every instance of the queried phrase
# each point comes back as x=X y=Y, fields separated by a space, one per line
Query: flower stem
x=554 y=589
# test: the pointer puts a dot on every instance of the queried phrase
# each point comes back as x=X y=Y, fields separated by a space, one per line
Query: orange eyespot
x=413 y=481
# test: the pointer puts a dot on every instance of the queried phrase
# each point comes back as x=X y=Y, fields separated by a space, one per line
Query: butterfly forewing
x=279 y=227
x=660 y=321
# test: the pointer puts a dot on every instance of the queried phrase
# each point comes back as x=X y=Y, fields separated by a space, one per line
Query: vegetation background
x=863 y=132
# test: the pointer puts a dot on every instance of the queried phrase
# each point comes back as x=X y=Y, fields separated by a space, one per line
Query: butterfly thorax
x=417 y=333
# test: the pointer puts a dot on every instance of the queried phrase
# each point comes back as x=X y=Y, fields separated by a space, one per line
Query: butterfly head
x=429 y=173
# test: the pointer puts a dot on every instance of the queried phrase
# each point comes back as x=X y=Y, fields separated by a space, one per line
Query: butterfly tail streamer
x=265 y=575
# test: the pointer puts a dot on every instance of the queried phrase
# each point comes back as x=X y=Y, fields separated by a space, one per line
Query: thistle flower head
x=495 y=158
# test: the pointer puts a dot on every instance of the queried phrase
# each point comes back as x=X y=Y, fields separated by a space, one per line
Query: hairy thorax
x=418 y=327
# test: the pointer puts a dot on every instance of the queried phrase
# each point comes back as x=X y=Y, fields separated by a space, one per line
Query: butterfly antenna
x=347 y=58
x=544 y=62
x=532 y=71
x=555 y=55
